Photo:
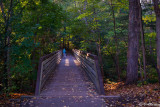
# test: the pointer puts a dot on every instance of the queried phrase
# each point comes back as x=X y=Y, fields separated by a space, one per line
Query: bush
x=152 y=76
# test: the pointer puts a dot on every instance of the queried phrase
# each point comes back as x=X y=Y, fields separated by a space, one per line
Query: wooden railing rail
x=90 y=64
x=47 y=64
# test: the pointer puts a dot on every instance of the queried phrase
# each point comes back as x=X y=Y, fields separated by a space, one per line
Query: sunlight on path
x=67 y=62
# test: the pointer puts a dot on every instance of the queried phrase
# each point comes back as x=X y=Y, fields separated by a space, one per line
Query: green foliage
x=152 y=75
x=39 y=27
x=141 y=83
x=32 y=28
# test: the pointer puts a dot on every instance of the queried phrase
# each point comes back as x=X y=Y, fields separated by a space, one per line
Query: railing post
x=39 y=77
x=99 y=75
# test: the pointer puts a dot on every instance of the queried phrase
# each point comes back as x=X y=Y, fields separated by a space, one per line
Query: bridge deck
x=68 y=87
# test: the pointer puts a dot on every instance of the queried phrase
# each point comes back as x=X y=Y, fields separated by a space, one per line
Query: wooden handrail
x=90 y=64
x=47 y=64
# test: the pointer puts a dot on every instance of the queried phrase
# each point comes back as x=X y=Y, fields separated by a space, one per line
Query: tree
x=116 y=42
x=142 y=40
x=157 y=11
x=133 y=42
x=7 y=17
x=26 y=28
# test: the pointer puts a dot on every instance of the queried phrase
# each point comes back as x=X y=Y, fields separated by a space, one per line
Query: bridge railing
x=47 y=64
x=90 y=64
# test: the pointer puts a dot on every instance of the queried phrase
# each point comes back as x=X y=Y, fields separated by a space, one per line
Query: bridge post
x=99 y=75
x=39 y=76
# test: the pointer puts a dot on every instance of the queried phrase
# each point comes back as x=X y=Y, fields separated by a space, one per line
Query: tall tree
x=133 y=42
x=157 y=11
x=142 y=41
x=116 y=42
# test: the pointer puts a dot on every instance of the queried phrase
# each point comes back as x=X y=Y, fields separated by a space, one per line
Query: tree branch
x=2 y=8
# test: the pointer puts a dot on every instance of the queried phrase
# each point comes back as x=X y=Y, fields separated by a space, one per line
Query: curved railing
x=47 y=64
x=90 y=64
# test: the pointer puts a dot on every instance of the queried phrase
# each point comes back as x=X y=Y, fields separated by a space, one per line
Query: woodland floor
x=133 y=95
x=130 y=96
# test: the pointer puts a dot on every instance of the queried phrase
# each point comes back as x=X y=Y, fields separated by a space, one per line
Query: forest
x=124 y=34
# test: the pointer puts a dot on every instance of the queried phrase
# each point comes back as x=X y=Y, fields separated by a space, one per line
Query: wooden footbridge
x=72 y=81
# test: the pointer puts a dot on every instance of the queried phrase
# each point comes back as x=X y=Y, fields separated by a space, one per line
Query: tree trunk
x=100 y=58
x=142 y=42
x=133 y=42
x=116 y=42
x=98 y=44
x=158 y=44
x=8 y=62
x=157 y=11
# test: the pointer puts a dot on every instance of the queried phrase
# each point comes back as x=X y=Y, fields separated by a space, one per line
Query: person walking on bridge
x=64 y=52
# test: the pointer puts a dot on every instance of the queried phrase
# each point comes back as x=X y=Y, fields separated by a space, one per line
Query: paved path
x=67 y=87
